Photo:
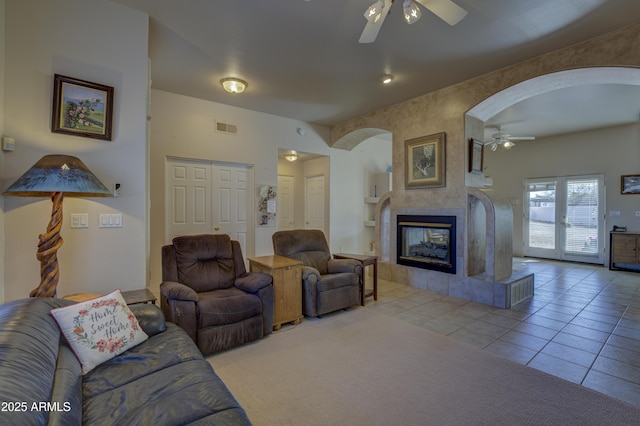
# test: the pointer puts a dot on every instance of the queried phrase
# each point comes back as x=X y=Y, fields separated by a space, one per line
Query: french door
x=564 y=218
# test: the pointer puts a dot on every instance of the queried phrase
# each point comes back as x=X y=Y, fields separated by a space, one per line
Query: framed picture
x=476 y=156
x=630 y=184
x=425 y=162
x=81 y=108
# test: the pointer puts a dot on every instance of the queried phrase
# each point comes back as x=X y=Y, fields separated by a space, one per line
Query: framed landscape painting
x=81 y=108
x=425 y=162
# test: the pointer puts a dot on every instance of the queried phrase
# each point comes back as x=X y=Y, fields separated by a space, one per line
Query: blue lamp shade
x=58 y=173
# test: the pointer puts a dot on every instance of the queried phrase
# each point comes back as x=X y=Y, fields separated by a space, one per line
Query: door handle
x=216 y=228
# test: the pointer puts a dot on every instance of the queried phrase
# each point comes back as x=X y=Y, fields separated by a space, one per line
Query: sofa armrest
x=176 y=291
x=344 y=265
x=150 y=318
x=252 y=282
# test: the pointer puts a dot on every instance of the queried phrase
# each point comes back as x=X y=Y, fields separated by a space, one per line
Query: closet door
x=204 y=197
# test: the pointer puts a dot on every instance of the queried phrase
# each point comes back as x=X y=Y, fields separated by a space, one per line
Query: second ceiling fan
x=505 y=141
x=446 y=10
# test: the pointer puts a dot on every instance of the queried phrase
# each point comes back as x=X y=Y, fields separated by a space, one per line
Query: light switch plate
x=79 y=220
x=8 y=144
x=110 y=220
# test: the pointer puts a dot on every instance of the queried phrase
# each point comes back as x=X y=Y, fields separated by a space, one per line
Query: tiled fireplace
x=426 y=248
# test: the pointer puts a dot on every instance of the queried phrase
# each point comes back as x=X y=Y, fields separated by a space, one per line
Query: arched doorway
x=545 y=85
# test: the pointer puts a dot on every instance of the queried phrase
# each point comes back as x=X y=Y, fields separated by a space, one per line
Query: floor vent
x=226 y=128
x=521 y=289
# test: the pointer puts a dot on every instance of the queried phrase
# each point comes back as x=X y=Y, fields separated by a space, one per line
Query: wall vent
x=522 y=289
x=226 y=128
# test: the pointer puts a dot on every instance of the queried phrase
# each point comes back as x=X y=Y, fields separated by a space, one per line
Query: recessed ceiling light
x=386 y=79
x=233 y=85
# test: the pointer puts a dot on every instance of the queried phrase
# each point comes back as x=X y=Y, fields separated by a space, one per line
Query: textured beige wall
x=444 y=110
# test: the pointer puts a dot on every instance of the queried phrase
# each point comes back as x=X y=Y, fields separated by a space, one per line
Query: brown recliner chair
x=327 y=284
x=207 y=291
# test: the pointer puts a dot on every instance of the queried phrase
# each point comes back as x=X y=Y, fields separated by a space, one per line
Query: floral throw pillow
x=99 y=329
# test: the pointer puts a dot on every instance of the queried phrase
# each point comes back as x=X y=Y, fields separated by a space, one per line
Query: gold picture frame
x=425 y=161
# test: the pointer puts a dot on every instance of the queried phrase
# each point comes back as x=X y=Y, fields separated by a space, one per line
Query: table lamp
x=55 y=176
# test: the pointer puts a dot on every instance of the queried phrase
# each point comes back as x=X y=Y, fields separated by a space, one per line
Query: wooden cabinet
x=624 y=250
x=287 y=286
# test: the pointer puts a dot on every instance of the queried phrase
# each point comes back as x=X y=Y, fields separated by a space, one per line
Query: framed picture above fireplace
x=425 y=162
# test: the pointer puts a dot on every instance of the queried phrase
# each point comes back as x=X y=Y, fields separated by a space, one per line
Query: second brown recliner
x=327 y=284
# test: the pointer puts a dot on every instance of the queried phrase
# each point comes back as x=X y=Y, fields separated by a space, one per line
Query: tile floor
x=582 y=325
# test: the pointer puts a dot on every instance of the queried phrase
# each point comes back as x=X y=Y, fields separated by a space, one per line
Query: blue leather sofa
x=163 y=381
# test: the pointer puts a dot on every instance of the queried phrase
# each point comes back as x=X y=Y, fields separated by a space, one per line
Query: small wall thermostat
x=8 y=144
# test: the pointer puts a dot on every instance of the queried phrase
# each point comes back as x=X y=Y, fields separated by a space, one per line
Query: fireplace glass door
x=427 y=242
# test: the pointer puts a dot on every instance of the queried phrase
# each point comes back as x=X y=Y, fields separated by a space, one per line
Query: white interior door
x=286 y=219
x=564 y=218
x=203 y=197
x=188 y=198
x=314 y=202
x=231 y=202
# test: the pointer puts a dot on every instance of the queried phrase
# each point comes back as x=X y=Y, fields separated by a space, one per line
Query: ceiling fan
x=505 y=141
x=446 y=10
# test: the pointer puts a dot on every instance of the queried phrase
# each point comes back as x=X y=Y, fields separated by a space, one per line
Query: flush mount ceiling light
x=291 y=157
x=386 y=79
x=233 y=85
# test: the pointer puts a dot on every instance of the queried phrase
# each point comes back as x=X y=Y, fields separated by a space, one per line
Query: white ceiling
x=303 y=61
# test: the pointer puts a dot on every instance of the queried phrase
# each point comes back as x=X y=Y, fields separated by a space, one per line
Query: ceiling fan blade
x=446 y=10
x=372 y=29
x=522 y=138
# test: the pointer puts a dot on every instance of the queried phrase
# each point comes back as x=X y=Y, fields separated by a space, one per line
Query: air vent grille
x=226 y=128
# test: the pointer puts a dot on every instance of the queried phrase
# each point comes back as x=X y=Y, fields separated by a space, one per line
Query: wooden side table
x=365 y=260
x=81 y=297
x=287 y=286
x=139 y=296
x=130 y=297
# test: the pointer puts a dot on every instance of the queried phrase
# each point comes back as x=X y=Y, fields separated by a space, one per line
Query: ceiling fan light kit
x=506 y=141
x=411 y=12
x=374 y=12
x=446 y=10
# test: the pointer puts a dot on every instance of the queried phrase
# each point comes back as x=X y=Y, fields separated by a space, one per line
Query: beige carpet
x=361 y=367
